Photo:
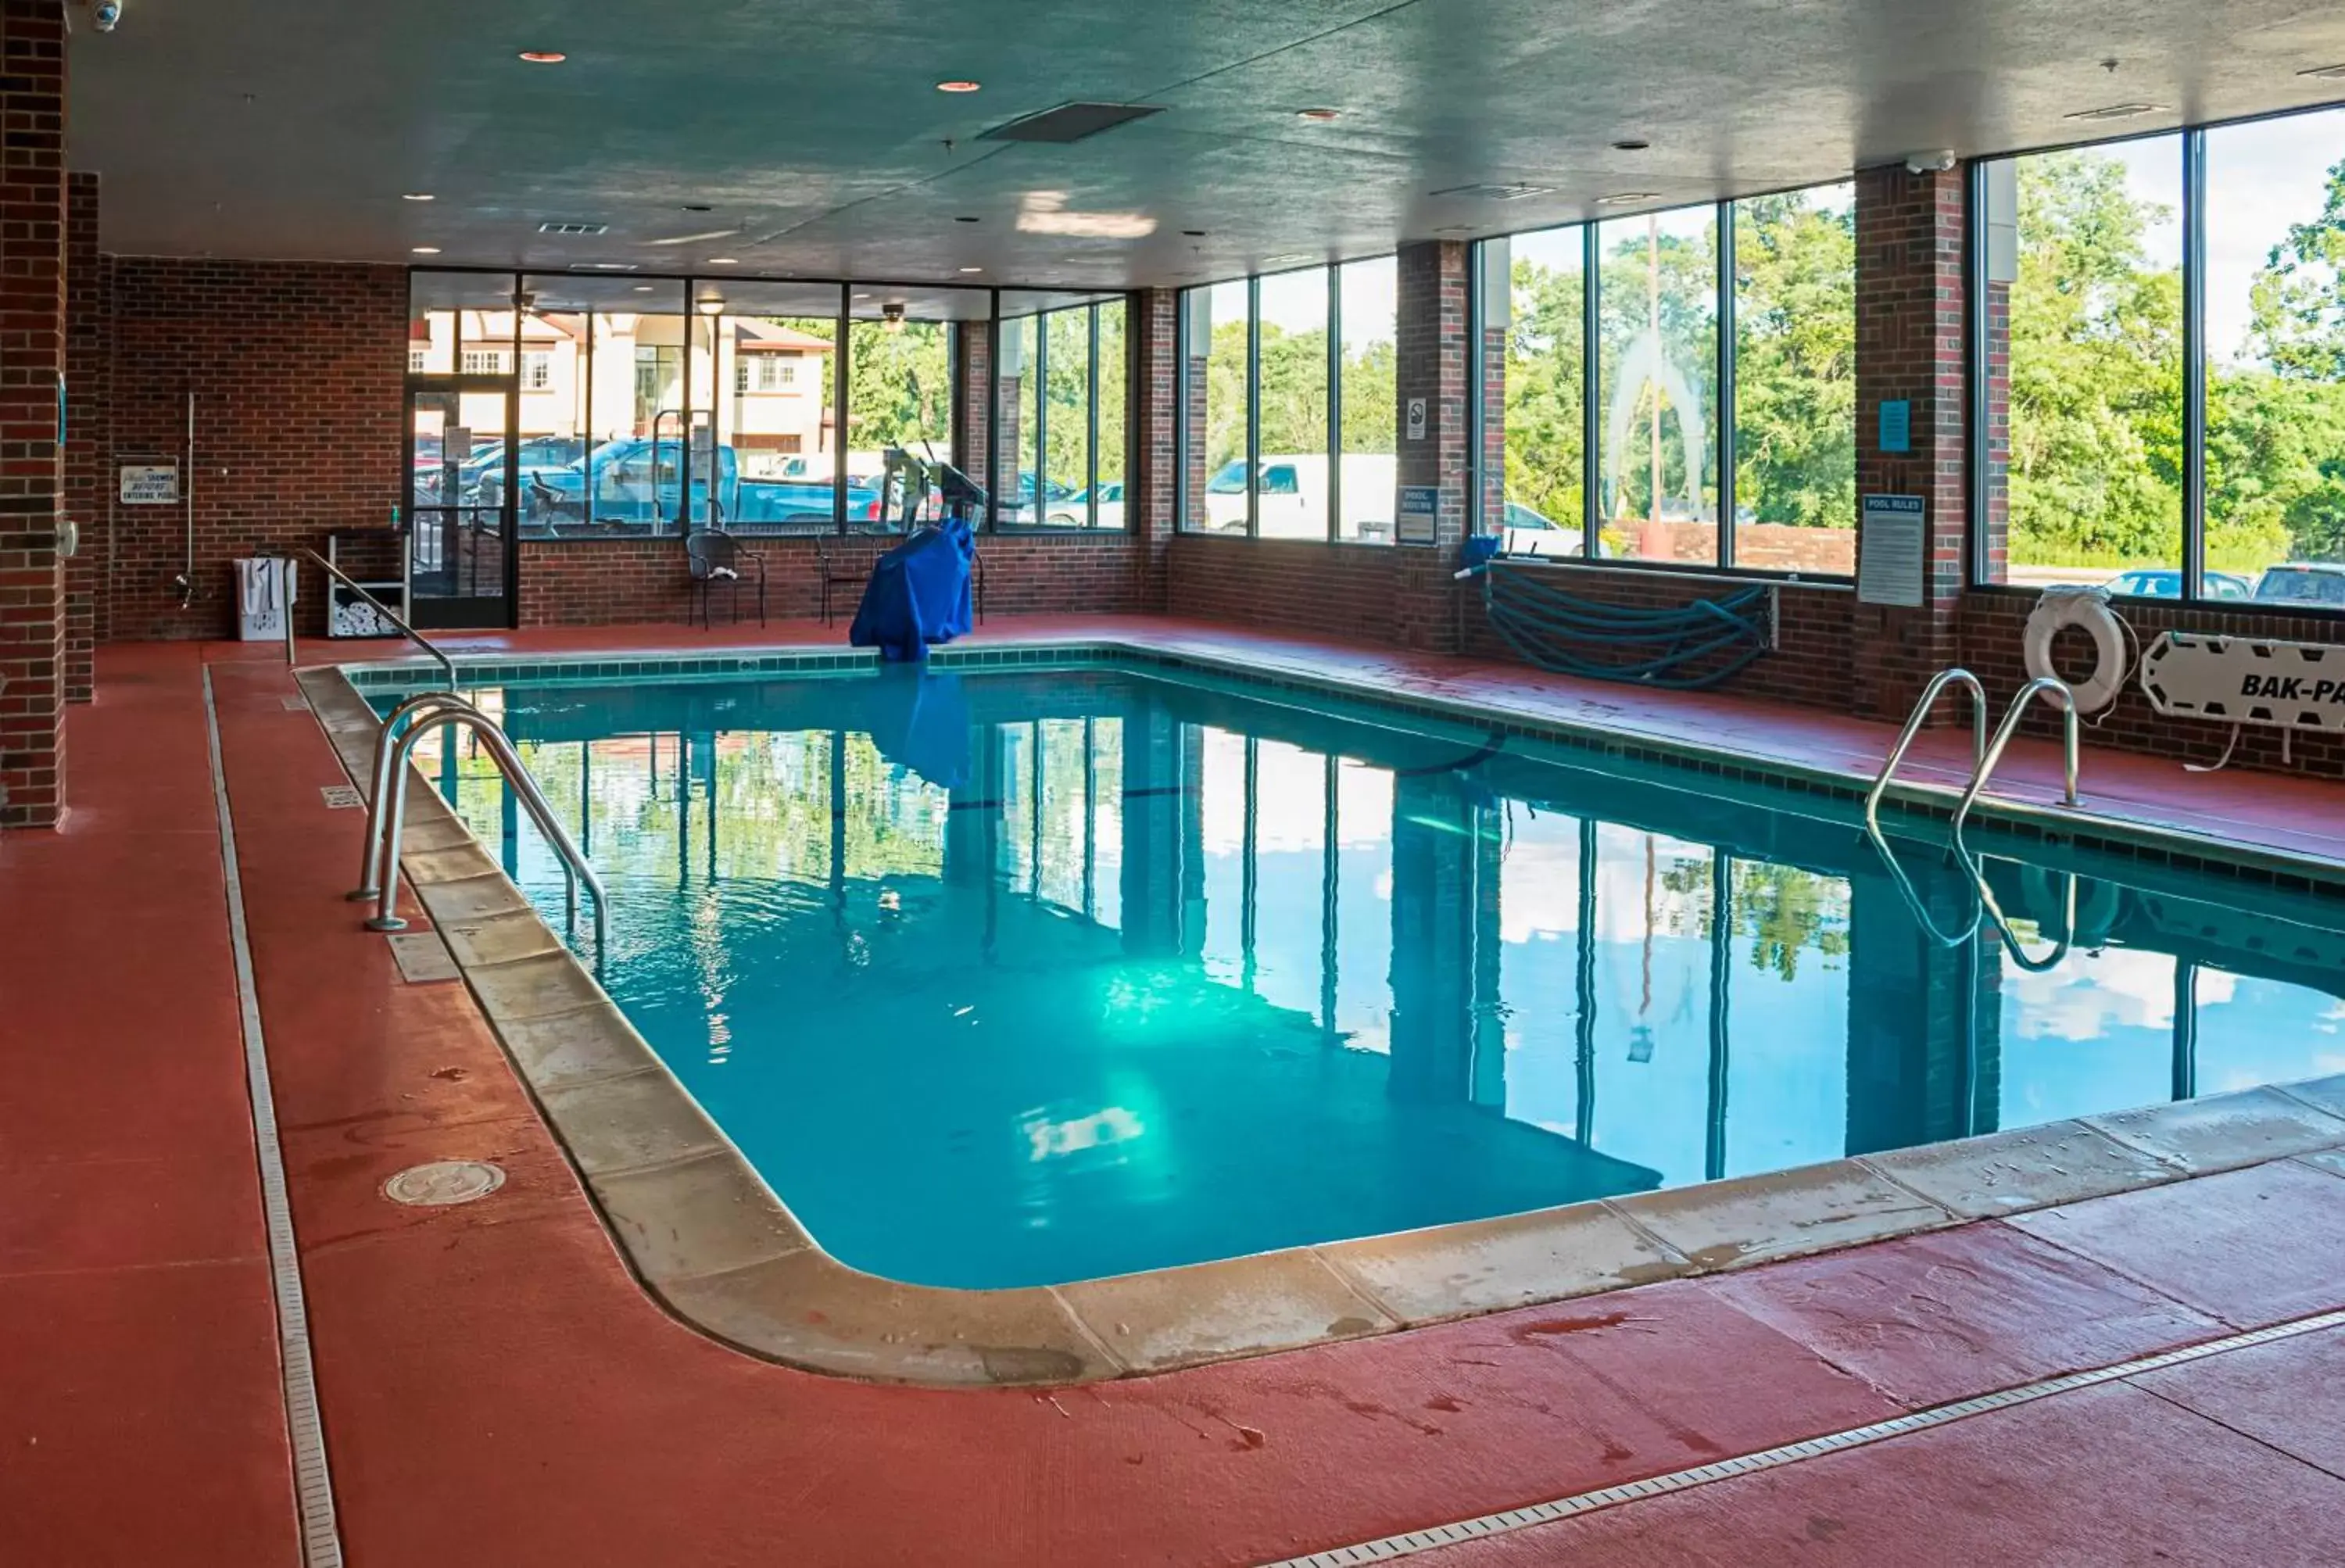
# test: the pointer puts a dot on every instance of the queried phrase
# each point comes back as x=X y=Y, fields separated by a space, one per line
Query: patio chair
x=836 y=568
x=716 y=556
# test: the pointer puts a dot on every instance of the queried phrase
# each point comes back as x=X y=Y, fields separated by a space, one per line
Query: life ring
x=2087 y=610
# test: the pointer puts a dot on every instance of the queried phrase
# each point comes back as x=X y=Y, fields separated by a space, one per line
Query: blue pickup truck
x=638 y=481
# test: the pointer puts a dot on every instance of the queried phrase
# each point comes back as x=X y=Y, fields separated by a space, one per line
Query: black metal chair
x=836 y=568
x=716 y=557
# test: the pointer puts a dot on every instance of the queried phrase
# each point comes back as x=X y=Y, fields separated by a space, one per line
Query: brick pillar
x=1149 y=492
x=1909 y=345
x=88 y=501
x=1435 y=362
x=33 y=329
x=1199 y=334
x=973 y=365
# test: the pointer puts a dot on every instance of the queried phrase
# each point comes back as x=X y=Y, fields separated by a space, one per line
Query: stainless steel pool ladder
x=387 y=806
x=1985 y=754
x=303 y=553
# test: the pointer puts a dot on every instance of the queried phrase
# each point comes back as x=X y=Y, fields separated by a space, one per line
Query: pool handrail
x=575 y=866
x=391 y=617
x=1951 y=675
x=408 y=710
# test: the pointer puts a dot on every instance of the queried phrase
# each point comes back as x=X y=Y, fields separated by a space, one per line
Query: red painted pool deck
x=498 y=1389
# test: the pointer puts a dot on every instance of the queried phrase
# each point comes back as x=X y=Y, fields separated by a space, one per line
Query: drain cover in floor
x=443 y=1182
x=340 y=797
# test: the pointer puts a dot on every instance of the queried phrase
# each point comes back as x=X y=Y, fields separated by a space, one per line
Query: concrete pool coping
x=706 y=1236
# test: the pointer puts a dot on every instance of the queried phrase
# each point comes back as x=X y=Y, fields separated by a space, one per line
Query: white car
x=1291 y=496
x=1074 y=511
x=1529 y=533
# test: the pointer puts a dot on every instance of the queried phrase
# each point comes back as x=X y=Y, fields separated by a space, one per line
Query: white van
x=1292 y=499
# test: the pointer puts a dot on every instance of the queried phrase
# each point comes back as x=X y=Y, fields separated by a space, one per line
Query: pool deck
x=497 y=1387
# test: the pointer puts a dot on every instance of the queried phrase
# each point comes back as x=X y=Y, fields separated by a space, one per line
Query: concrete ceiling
x=813 y=134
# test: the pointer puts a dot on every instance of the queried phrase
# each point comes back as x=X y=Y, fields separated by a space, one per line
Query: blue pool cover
x=918 y=594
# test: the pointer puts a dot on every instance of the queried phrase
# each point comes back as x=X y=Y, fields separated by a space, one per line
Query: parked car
x=1531 y=533
x=2168 y=585
x=1074 y=511
x=2303 y=583
x=1290 y=496
x=483 y=474
x=638 y=480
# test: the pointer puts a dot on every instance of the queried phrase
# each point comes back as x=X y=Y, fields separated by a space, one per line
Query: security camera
x=1930 y=163
x=105 y=14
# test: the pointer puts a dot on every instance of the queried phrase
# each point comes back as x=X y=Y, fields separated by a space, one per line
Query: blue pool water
x=1029 y=977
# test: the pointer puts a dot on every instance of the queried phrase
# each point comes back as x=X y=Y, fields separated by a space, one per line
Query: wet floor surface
x=497 y=1388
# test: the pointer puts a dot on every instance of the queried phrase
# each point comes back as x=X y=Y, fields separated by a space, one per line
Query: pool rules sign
x=2246 y=680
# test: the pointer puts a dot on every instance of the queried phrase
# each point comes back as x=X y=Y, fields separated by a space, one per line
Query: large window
x=1289 y=429
x=1536 y=304
x=1657 y=480
x=635 y=405
x=2107 y=460
x=1061 y=394
x=1633 y=453
x=2084 y=389
x=1795 y=381
x=2275 y=355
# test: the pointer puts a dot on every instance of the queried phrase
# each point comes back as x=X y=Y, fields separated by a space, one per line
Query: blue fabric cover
x=918 y=594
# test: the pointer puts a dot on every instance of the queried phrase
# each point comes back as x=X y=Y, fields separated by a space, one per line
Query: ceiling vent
x=1496 y=192
x=1070 y=123
x=582 y=230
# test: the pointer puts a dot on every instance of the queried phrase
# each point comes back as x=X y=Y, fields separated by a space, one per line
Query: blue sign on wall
x=1896 y=425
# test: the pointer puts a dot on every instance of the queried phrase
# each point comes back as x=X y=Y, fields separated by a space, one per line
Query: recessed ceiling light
x=418 y=196
x=959 y=86
x=2325 y=72
x=544 y=57
x=427 y=250
x=1631 y=144
x=642 y=287
x=863 y=296
x=2116 y=112
x=725 y=262
x=1320 y=114
x=1627 y=198
x=972 y=269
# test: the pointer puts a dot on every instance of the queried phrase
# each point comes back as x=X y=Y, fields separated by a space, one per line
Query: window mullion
x=1725 y=439
x=1591 y=388
x=2194 y=363
x=1334 y=487
x=1254 y=408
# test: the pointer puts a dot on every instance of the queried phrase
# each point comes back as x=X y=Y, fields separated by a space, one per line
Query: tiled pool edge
x=2083 y=826
x=721 y=1251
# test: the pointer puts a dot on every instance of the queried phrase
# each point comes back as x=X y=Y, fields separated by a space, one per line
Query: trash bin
x=264 y=597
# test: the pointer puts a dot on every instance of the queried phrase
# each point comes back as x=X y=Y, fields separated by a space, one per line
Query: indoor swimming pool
x=1030 y=976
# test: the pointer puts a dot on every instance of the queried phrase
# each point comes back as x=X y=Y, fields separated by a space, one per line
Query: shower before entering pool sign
x=151 y=484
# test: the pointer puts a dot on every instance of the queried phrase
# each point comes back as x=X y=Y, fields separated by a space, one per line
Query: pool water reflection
x=1028 y=978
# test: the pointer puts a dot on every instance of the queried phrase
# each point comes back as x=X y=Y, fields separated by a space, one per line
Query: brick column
x=973 y=362
x=1149 y=491
x=1909 y=345
x=32 y=332
x=1434 y=364
x=86 y=497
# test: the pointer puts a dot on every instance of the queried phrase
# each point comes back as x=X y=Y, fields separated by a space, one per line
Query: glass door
x=462 y=560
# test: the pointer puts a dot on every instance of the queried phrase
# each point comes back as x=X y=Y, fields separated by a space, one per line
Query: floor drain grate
x=342 y=796
x=443 y=1182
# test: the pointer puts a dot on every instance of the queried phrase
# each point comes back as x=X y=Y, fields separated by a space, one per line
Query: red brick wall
x=32 y=324
x=1993 y=628
x=613 y=581
x=1288 y=585
x=298 y=370
x=1433 y=364
x=88 y=407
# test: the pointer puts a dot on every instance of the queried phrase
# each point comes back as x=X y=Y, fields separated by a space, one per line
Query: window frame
x=1490 y=508
x=2192 y=562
